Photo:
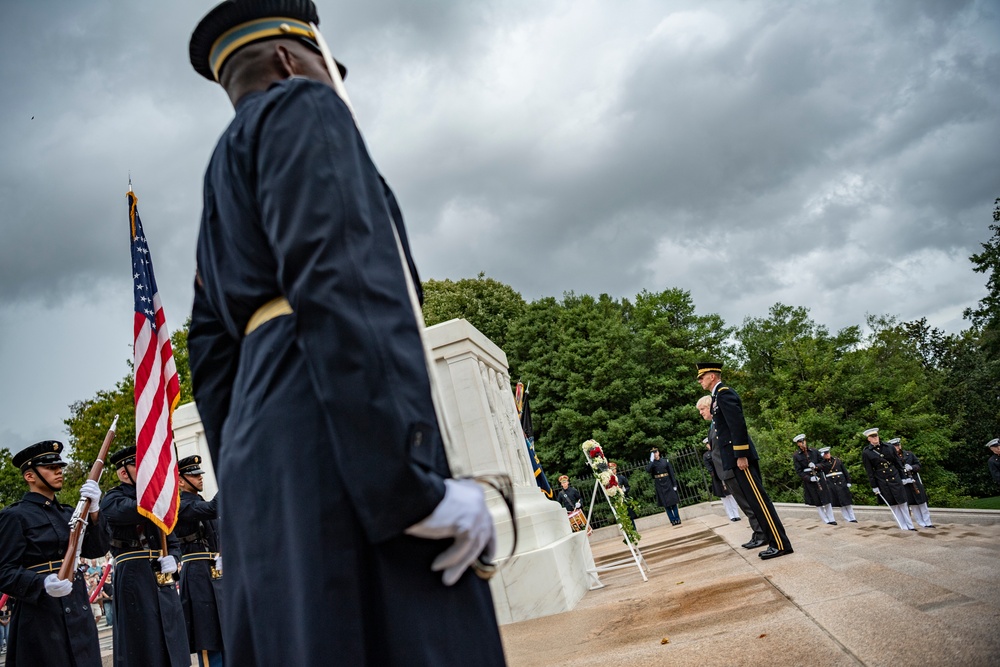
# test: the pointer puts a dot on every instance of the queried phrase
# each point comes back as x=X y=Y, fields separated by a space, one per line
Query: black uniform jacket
x=334 y=398
x=815 y=493
x=916 y=494
x=568 y=498
x=45 y=630
x=730 y=427
x=664 y=480
x=885 y=471
x=837 y=478
x=199 y=538
x=149 y=622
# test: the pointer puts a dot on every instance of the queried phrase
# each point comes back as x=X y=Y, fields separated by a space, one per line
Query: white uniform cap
x=993 y=442
x=824 y=450
x=870 y=432
x=799 y=438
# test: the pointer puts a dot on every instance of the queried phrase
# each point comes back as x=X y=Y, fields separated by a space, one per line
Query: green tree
x=986 y=315
x=12 y=485
x=487 y=304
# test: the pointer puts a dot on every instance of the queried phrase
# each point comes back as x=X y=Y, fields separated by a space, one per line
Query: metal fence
x=694 y=486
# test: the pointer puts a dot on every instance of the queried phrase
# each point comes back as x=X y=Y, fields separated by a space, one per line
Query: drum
x=577 y=521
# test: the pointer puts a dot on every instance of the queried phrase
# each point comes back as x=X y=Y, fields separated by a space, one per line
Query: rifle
x=78 y=522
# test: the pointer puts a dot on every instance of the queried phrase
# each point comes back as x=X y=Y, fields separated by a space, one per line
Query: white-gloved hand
x=461 y=514
x=218 y=563
x=814 y=478
x=675 y=488
x=57 y=587
x=651 y=456
x=908 y=480
x=876 y=491
x=812 y=465
x=907 y=467
x=168 y=564
x=848 y=485
x=577 y=506
x=91 y=490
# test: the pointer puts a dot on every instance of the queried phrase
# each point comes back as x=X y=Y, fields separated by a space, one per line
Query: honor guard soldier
x=568 y=496
x=885 y=475
x=994 y=461
x=740 y=456
x=201 y=564
x=839 y=481
x=305 y=340
x=665 y=482
x=816 y=491
x=913 y=485
x=52 y=624
x=149 y=621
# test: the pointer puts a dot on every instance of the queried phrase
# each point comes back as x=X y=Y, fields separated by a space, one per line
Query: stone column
x=548 y=573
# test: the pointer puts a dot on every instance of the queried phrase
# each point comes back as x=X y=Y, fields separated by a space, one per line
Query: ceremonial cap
x=612 y=464
x=709 y=367
x=704 y=441
x=993 y=443
x=44 y=453
x=894 y=441
x=190 y=465
x=654 y=449
x=824 y=450
x=563 y=478
x=799 y=438
x=870 y=432
x=122 y=457
x=234 y=24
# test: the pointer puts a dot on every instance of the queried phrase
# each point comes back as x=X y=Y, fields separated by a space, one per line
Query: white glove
x=814 y=478
x=876 y=491
x=812 y=465
x=168 y=564
x=93 y=492
x=577 y=506
x=848 y=485
x=907 y=467
x=218 y=563
x=675 y=488
x=651 y=457
x=908 y=480
x=461 y=514
x=57 y=587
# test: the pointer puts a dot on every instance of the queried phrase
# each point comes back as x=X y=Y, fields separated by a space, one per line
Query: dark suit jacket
x=731 y=427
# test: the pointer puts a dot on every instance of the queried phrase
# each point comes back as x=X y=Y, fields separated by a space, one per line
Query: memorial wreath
x=615 y=493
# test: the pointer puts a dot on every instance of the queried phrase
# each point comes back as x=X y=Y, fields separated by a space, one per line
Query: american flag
x=157 y=389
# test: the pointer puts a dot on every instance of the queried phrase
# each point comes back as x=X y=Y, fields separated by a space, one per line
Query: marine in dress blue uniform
x=201 y=571
x=885 y=475
x=740 y=457
x=994 y=461
x=46 y=630
x=913 y=485
x=149 y=621
x=310 y=375
x=839 y=479
x=815 y=489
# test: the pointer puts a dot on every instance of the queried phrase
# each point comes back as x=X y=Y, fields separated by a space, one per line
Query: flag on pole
x=157 y=389
x=524 y=413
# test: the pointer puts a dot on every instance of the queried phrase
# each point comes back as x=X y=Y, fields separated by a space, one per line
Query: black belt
x=142 y=554
x=198 y=555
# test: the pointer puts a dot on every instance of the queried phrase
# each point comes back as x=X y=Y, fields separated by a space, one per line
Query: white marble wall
x=189 y=436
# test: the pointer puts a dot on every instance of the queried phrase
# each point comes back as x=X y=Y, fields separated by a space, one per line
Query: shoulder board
x=722 y=389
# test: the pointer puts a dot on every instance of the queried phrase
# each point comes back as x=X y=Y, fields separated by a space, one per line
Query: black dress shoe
x=771 y=552
x=754 y=544
x=853 y=520
x=735 y=518
x=831 y=523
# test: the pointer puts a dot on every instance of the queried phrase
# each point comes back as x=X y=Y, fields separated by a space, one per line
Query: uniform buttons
x=67 y=610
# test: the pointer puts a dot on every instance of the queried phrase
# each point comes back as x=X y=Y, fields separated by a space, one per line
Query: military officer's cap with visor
x=799 y=438
x=190 y=465
x=709 y=367
x=44 y=453
x=993 y=443
x=122 y=457
x=234 y=24
x=870 y=432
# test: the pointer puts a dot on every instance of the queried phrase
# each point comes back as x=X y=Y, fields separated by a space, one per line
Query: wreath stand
x=636 y=558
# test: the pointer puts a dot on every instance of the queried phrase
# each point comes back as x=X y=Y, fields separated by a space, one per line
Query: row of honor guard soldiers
x=52 y=623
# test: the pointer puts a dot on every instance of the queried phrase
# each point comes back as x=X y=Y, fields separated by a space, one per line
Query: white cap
x=870 y=432
x=993 y=443
x=799 y=438
x=824 y=450
x=894 y=441
x=705 y=441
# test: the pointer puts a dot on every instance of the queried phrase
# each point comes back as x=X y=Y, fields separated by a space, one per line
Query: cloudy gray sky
x=838 y=156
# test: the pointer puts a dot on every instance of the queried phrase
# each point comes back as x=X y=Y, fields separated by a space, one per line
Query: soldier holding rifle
x=885 y=474
x=815 y=489
x=149 y=622
x=52 y=623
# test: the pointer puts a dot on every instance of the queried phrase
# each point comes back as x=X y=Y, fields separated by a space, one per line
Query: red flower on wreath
x=613 y=482
x=596 y=451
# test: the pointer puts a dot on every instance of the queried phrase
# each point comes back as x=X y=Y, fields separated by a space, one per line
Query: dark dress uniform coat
x=333 y=398
x=815 y=493
x=916 y=494
x=46 y=631
x=885 y=471
x=149 y=621
x=200 y=591
x=837 y=478
x=568 y=498
x=664 y=479
x=994 y=465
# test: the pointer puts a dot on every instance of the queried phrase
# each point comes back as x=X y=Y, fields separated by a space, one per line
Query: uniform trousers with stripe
x=752 y=488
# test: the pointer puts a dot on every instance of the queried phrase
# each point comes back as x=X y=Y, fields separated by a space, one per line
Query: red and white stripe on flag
x=157 y=390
